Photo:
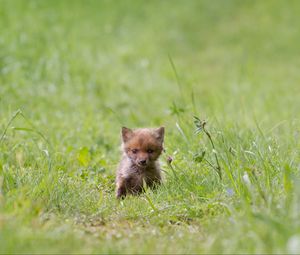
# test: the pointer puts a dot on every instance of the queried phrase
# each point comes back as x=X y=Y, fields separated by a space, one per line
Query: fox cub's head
x=144 y=145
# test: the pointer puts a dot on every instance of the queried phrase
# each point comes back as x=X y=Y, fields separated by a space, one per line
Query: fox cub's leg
x=121 y=188
x=131 y=185
x=153 y=182
x=134 y=184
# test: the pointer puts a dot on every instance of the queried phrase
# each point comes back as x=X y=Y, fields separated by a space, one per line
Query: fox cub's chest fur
x=139 y=163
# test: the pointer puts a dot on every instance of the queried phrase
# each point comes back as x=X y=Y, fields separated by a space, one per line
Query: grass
x=73 y=73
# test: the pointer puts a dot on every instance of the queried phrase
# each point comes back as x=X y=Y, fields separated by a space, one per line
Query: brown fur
x=139 y=163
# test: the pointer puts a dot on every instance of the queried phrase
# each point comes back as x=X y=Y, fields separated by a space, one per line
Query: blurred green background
x=79 y=70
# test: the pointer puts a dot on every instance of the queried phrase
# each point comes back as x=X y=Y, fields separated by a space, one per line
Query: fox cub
x=141 y=150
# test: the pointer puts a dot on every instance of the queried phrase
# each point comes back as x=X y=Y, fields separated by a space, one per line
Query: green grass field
x=72 y=73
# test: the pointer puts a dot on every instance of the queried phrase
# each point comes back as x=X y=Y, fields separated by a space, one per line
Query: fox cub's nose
x=143 y=162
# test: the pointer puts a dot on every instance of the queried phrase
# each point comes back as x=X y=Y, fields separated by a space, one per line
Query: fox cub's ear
x=159 y=134
x=126 y=134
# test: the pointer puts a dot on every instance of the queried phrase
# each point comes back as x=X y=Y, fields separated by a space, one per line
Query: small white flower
x=246 y=179
x=293 y=244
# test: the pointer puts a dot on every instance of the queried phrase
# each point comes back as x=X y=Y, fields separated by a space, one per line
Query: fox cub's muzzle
x=142 y=162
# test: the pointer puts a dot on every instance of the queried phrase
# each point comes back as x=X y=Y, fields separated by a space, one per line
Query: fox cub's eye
x=150 y=151
x=134 y=151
